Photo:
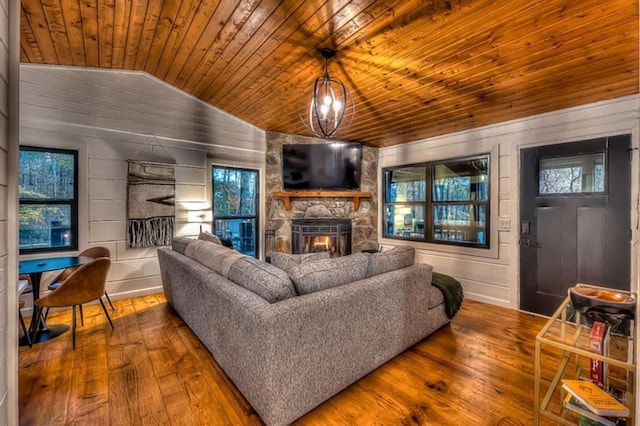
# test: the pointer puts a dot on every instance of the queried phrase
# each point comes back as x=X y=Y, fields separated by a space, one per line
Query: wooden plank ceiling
x=415 y=68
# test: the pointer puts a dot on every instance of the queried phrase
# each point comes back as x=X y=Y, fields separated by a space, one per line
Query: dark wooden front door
x=575 y=224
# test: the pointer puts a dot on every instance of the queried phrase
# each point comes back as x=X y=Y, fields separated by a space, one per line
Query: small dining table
x=35 y=268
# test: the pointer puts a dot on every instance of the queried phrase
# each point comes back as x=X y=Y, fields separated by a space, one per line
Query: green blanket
x=452 y=290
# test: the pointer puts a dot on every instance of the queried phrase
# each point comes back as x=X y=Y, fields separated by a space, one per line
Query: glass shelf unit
x=566 y=337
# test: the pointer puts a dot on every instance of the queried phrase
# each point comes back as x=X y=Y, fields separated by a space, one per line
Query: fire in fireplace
x=317 y=235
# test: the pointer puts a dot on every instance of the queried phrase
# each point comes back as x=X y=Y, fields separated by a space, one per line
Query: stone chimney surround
x=364 y=220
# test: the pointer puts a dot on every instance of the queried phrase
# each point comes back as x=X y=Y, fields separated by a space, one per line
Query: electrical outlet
x=504 y=223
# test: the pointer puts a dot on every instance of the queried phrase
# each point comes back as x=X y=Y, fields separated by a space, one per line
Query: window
x=235 y=207
x=444 y=202
x=573 y=174
x=48 y=191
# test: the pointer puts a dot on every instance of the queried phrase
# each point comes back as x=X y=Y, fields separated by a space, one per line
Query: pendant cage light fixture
x=326 y=103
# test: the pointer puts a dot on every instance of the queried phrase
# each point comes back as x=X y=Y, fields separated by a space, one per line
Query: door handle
x=528 y=243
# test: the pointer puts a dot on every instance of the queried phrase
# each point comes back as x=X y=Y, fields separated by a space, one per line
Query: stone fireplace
x=280 y=221
x=318 y=235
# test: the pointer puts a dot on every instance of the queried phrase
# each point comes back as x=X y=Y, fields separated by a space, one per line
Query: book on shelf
x=595 y=399
x=574 y=405
x=599 y=344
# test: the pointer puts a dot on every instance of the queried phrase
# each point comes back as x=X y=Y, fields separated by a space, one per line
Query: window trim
x=258 y=212
x=428 y=203
x=74 y=203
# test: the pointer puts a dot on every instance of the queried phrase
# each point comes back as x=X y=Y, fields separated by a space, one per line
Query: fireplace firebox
x=318 y=235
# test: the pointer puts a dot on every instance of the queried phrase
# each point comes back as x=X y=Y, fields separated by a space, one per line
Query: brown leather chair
x=22 y=287
x=84 y=285
x=94 y=252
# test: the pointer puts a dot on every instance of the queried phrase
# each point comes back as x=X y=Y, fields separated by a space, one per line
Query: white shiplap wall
x=113 y=116
x=495 y=279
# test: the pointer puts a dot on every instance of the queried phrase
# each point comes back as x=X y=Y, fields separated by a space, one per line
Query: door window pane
x=406 y=184
x=572 y=174
x=405 y=221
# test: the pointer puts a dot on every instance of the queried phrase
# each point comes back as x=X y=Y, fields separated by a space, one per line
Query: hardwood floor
x=152 y=370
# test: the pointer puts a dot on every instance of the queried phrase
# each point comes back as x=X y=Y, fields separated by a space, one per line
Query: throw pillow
x=386 y=261
x=180 y=244
x=208 y=236
x=286 y=261
x=322 y=274
x=265 y=280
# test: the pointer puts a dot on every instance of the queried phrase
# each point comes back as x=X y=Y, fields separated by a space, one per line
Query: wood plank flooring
x=152 y=370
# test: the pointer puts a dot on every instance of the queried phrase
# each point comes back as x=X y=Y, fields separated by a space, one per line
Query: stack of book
x=587 y=399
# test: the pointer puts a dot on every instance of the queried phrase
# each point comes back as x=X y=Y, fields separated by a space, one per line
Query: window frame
x=429 y=203
x=256 y=217
x=73 y=203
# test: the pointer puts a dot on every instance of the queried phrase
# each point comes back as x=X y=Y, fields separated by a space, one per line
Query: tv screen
x=322 y=166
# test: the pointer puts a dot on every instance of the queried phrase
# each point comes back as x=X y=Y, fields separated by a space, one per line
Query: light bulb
x=324 y=109
x=327 y=100
x=337 y=105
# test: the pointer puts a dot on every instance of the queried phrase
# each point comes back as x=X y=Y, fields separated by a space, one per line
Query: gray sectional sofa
x=291 y=338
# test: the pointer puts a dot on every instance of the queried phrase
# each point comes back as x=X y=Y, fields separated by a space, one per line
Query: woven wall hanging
x=150 y=204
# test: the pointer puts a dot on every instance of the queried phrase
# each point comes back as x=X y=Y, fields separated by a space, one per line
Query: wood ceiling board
x=89 y=25
x=106 y=16
x=154 y=9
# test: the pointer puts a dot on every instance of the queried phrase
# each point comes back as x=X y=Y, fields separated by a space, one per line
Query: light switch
x=504 y=223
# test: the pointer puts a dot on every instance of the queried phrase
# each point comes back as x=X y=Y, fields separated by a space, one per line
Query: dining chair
x=22 y=287
x=83 y=285
x=93 y=252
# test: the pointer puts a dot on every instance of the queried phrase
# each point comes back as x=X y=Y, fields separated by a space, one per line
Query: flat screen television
x=322 y=166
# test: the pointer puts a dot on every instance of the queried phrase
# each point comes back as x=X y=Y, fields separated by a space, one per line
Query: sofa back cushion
x=286 y=261
x=214 y=256
x=319 y=275
x=397 y=258
x=267 y=281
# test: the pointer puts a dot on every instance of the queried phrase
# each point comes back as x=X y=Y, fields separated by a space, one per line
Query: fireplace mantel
x=288 y=195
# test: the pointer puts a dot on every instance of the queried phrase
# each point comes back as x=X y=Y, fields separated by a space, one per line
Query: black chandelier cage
x=326 y=104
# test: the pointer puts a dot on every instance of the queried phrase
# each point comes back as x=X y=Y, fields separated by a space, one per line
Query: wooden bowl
x=586 y=299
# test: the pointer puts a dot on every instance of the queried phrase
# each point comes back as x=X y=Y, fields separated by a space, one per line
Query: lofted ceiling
x=415 y=68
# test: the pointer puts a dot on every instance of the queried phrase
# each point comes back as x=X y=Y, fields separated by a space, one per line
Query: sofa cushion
x=396 y=258
x=286 y=261
x=322 y=274
x=180 y=244
x=267 y=281
x=212 y=255
x=208 y=236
